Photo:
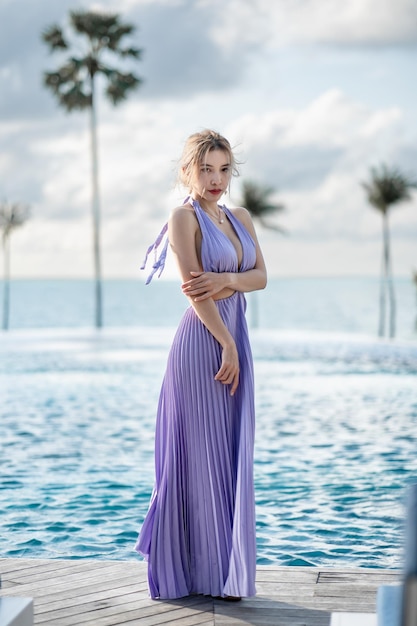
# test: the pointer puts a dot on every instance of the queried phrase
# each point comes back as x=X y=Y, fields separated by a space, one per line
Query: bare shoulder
x=244 y=216
x=182 y=210
x=183 y=215
x=241 y=212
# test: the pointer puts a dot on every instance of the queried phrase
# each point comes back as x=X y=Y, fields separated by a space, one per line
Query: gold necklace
x=218 y=217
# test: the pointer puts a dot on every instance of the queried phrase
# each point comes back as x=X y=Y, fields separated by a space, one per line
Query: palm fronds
x=257 y=200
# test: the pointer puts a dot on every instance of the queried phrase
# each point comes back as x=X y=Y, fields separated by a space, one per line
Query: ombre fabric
x=199 y=533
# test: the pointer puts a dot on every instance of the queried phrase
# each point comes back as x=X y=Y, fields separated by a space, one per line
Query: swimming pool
x=335 y=443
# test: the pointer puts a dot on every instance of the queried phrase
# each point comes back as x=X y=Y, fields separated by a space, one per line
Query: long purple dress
x=199 y=533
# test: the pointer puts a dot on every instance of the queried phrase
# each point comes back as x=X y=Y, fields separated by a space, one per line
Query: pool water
x=336 y=443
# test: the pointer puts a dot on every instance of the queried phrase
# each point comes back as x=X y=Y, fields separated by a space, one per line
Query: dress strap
x=159 y=262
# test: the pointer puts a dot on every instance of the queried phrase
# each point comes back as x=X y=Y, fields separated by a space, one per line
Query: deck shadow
x=256 y=611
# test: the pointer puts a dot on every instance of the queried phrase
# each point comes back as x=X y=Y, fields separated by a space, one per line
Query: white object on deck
x=354 y=619
x=388 y=605
x=16 y=612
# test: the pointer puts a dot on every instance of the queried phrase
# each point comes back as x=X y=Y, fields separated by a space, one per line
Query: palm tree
x=74 y=85
x=256 y=199
x=12 y=215
x=387 y=186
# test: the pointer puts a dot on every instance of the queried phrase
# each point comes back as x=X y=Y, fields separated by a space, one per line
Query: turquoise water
x=335 y=442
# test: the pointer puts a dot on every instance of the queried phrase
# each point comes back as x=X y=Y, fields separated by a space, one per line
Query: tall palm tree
x=100 y=36
x=387 y=187
x=12 y=215
x=256 y=199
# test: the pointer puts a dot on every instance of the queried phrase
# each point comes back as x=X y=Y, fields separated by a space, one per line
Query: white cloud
x=357 y=22
x=298 y=151
x=200 y=57
x=353 y=22
x=287 y=148
x=331 y=142
x=332 y=119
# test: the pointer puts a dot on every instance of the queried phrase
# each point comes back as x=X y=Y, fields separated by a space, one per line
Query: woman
x=199 y=533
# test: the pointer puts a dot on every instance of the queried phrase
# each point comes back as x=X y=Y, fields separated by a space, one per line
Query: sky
x=310 y=93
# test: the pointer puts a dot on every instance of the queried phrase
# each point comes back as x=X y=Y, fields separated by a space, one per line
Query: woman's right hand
x=228 y=373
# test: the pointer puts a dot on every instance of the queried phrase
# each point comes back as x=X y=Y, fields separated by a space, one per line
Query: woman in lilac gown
x=199 y=533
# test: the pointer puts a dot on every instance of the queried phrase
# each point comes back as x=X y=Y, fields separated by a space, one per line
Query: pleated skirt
x=199 y=533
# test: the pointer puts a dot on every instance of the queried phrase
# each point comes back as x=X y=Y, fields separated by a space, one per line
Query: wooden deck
x=109 y=593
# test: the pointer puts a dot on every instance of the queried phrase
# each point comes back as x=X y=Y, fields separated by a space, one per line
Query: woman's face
x=213 y=175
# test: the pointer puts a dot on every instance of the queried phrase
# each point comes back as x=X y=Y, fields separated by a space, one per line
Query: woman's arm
x=205 y=285
x=183 y=231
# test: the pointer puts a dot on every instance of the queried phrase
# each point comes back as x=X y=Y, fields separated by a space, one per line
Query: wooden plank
x=67 y=574
x=133 y=610
x=358 y=576
x=162 y=613
x=279 y=617
x=110 y=606
x=43 y=571
x=165 y=620
x=327 y=604
x=112 y=593
x=278 y=588
x=287 y=575
x=87 y=575
x=63 y=587
x=19 y=565
x=102 y=595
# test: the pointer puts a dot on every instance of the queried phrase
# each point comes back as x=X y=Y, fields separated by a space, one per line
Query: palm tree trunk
x=255 y=309
x=96 y=212
x=382 y=284
x=384 y=277
x=6 y=289
x=390 y=282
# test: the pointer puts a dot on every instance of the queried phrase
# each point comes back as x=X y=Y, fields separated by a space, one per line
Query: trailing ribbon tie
x=159 y=262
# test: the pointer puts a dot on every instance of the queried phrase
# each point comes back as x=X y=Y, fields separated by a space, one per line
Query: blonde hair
x=195 y=153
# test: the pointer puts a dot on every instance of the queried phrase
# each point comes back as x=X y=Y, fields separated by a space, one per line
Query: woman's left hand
x=204 y=285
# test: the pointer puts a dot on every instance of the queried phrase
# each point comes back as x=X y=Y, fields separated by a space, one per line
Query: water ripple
x=335 y=445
